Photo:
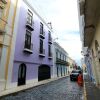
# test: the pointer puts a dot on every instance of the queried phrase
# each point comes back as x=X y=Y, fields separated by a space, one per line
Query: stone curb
x=85 y=96
x=25 y=87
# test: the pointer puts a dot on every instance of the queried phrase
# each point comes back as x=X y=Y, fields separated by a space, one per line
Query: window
x=63 y=58
x=56 y=54
x=28 y=40
x=41 y=28
x=42 y=33
x=49 y=37
x=29 y=24
x=60 y=55
x=49 y=51
x=29 y=17
x=41 y=46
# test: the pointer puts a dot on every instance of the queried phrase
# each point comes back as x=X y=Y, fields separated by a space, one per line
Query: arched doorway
x=22 y=74
x=43 y=72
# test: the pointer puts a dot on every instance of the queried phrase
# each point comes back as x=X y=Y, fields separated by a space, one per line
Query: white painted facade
x=58 y=50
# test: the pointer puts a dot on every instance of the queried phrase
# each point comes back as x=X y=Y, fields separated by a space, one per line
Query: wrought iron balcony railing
x=42 y=52
x=28 y=48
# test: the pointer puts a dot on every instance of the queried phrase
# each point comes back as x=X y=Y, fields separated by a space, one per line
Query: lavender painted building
x=33 y=48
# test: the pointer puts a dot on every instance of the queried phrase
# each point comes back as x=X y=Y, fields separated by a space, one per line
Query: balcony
x=29 y=26
x=59 y=61
x=42 y=52
x=67 y=63
x=28 y=48
x=4 y=1
x=50 y=40
x=2 y=6
x=89 y=34
x=92 y=16
x=42 y=35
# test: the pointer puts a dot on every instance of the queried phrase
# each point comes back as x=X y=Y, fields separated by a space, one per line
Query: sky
x=63 y=15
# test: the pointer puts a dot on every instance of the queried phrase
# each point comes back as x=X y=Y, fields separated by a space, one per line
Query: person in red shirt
x=80 y=79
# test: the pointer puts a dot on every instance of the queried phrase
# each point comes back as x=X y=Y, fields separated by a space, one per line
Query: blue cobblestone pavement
x=62 y=89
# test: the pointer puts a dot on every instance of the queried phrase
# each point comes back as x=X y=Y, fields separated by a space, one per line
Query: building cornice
x=57 y=44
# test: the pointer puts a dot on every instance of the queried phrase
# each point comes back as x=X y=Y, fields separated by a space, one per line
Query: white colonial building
x=60 y=60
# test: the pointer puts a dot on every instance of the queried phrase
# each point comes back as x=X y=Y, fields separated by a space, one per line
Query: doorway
x=43 y=72
x=22 y=75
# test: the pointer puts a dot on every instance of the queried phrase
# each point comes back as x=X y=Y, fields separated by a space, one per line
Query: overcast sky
x=64 y=17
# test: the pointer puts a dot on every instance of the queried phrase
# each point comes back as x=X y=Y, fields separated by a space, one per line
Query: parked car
x=74 y=75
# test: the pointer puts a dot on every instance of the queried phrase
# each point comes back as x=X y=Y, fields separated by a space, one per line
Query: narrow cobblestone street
x=62 y=89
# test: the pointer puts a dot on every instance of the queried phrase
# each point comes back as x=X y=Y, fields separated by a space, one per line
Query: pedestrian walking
x=80 y=79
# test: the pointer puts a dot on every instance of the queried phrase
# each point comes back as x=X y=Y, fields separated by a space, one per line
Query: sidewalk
x=91 y=92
